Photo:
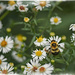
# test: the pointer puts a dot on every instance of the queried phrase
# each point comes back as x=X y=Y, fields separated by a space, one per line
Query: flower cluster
x=25 y=42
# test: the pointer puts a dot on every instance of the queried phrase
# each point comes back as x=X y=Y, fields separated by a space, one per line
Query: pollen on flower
x=11 y=2
x=42 y=69
x=55 y=20
x=42 y=3
x=34 y=68
x=4 y=72
x=0 y=61
x=26 y=19
x=38 y=53
x=40 y=39
x=3 y=43
x=22 y=8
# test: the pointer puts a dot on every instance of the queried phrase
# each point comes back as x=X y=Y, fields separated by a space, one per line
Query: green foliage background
x=65 y=10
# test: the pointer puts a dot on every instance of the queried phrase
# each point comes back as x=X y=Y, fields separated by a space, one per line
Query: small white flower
x=73 y=38
x=39 y=55
x=11 y=5
x=53 y=43
x=40 y=41
x=23 y=8
x=19 y=41
x=6 y=69
x=6 y=44
x=18 y=57
x=41 y=4
x=55 y=20
x=32 y=67
x=1 y=25
x=72 y=26
x=2 y=60
x=45 y=69
x=2 y=7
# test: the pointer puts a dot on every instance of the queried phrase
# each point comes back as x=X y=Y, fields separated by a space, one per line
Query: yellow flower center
x=20 y=37
x=55 y=20
x=34 y=68
x=0 y=62
x=54 y=44
x=42 y=69
x=19 y=55
x=11 y=2
x=4 y=72
x=42 y=3
x=40 y=39
x=3 y=43
x=38 y=53
x=26 y=19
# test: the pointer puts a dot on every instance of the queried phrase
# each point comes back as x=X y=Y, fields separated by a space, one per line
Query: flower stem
x=4 y=15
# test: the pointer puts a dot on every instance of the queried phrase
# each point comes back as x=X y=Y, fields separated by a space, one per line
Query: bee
x=54 y=48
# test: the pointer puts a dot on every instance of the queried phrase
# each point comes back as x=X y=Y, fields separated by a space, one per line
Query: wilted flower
x=6 y=44
x=41 y=4
x=39 y=55
x=55 y=20
x=2 y=7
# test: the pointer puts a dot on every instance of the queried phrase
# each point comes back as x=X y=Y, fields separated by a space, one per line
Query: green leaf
x=59 y=60
x=19 y=23
x=57 y=69
x=32 y=41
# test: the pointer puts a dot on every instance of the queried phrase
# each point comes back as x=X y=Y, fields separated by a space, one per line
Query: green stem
x=4 y=15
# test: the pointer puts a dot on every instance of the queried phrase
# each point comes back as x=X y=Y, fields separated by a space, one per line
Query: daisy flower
x=2 y=60
x=19 y=41
x=41 y=4
x=6 y=44
x=72 y=26
x=32 y=67
x=39 y=55
x=45 y=69
x=11 y=5
x=23 y=8
x=6 y=69
x=40 y=41
x=26 y=19
x=1 y=25
x=54 y=45
x=2 y=7
x=18 y=57
x=55 y=20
